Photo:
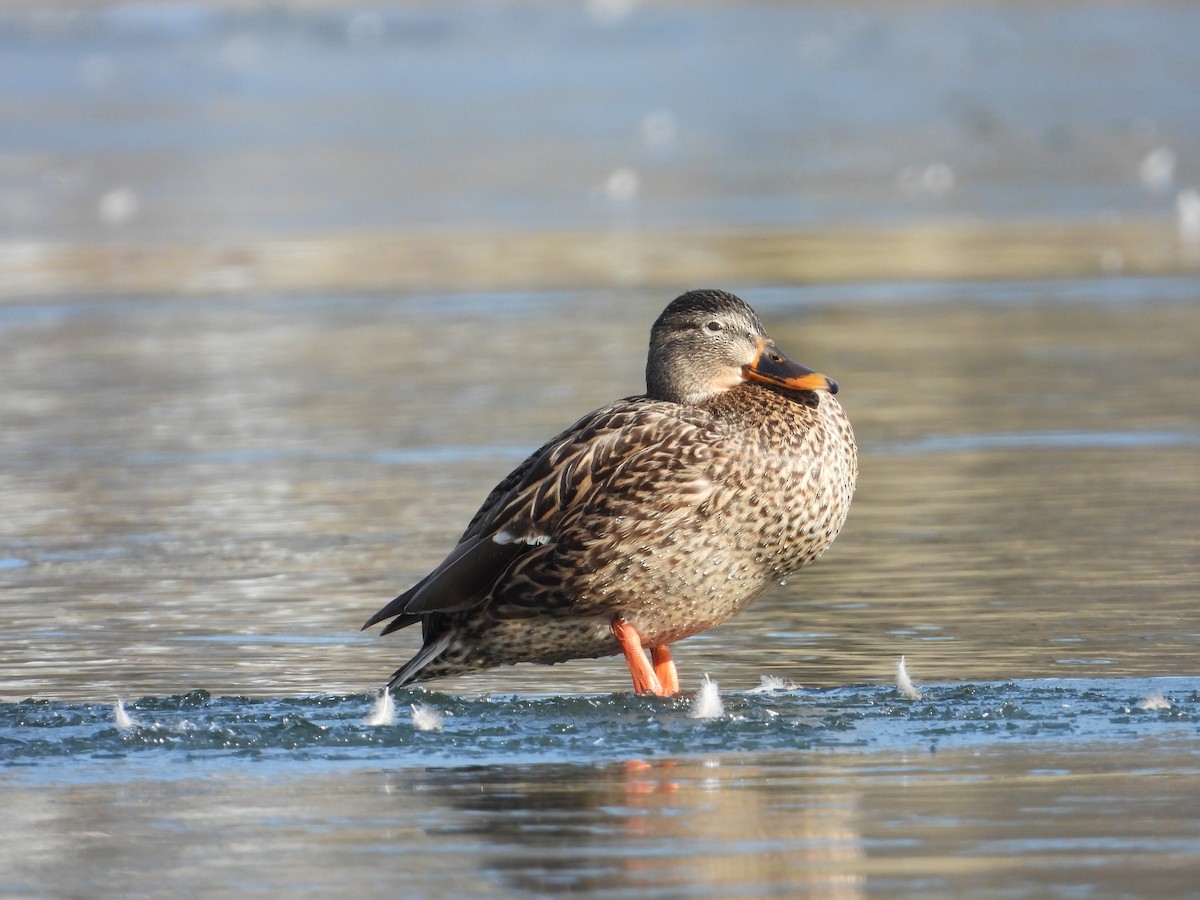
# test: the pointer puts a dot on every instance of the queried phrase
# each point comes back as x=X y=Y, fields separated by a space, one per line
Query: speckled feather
x=672 y=516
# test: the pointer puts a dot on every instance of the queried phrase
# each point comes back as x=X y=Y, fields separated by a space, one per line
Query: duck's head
x=709 y=341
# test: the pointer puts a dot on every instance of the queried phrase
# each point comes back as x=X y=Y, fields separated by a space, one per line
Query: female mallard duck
x=651 y=519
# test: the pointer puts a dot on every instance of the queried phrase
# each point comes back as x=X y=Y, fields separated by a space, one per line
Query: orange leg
x=644 y=679
x=664 y=668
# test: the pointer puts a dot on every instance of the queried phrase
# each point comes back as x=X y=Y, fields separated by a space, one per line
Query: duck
x=649 y=520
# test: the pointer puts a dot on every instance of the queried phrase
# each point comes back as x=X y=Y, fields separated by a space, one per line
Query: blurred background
x=240 y=147
x=286 y=287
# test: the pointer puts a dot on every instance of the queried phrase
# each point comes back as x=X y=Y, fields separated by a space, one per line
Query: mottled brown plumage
x=664 y=513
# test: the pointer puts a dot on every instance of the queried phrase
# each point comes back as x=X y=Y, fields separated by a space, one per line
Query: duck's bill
x=773 y=367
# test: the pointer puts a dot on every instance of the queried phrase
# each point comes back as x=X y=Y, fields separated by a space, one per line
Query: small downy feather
x=707 y=702
x=904 y=684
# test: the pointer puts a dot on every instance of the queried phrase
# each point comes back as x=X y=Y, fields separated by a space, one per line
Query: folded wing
x=615 y=451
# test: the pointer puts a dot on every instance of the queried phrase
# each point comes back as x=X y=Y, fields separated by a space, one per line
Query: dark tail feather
x=396 y=608
x=399 y=622
x=411 y=670
x=461 y=581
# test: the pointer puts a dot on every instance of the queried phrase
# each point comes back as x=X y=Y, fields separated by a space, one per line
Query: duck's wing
x=625 y=447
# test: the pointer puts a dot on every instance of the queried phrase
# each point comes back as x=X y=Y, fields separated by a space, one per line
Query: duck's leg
x=664 y=668
x=644 y=679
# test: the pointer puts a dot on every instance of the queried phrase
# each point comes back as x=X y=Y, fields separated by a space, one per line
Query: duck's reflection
x=713 y=825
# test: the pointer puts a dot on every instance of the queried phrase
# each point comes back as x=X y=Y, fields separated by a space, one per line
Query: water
x=229 y=121
x=198 y=734
x=977 y=788
x=263 y=349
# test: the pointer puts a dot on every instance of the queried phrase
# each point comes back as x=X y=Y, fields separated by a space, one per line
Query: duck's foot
x=664 y=668
x=661 y=680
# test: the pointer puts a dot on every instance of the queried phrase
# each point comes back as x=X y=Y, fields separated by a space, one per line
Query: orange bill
x=773 y=367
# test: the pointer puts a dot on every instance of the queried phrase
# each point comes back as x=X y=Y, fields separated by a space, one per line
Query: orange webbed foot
x=664 y=668
x=661 y=680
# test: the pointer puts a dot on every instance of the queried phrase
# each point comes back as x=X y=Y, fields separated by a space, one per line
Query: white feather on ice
x=707 y=702
x=1154 y=700
x=769 y=683
x=383 y=712
x=904 y=684
x=426 y=717
x=123 y=719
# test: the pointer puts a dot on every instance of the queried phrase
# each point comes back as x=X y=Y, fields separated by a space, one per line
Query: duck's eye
x=715 y=326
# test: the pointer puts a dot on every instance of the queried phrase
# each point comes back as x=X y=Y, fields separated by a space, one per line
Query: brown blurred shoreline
x=448 y=261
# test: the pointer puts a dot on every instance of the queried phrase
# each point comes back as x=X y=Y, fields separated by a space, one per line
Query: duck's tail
x=411 y=670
